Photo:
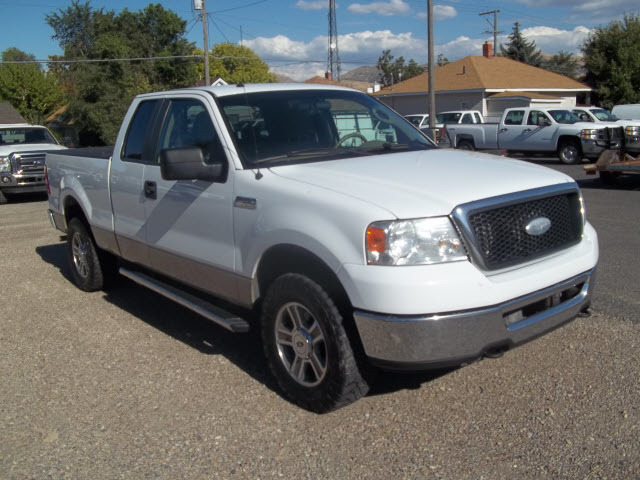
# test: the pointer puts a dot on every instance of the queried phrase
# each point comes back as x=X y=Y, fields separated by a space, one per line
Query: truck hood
x=29 y=147
x=424 y=183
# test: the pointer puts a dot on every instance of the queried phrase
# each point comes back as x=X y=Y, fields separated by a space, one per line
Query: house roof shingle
x=8 y=114
x=476 y=72
x=531 y=95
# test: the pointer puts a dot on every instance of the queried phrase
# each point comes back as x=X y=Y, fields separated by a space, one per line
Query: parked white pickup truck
x=349 y=244
x=547 y=130
x=603 y=117
x=22 y=150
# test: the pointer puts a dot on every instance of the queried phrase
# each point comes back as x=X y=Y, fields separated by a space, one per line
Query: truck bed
x=103 y=153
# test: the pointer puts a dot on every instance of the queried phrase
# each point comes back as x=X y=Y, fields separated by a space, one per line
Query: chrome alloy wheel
x=301 y=344
x=570 y=154
x=79 y=247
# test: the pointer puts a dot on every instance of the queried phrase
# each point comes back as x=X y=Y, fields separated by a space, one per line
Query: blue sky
x=291 y=35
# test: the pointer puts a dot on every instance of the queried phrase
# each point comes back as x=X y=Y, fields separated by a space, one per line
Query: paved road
x=126 y=384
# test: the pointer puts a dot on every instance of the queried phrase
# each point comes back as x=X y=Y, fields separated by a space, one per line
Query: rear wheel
x=569 y=152
x=307 y=346
x=91 y=268
x=466 y=145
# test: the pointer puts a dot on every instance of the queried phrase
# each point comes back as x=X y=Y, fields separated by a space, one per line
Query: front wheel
x=91 y=268
x=569 y=153
x=307 y=346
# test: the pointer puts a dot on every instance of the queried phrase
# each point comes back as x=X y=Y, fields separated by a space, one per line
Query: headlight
x=590 y=133
x=413 y=242
x=5 y=165
x=632 y=131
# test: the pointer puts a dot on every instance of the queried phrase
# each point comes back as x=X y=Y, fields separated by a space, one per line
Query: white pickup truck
x=330 y=224
x=22 y=151
x=540 y=130
x=601 y=116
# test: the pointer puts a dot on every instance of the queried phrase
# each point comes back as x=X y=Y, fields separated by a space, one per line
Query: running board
x=208 y=310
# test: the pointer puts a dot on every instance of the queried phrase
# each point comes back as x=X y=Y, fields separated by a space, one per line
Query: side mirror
x=188 y=164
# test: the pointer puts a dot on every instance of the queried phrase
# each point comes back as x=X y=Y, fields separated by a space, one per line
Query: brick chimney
x=487 y=50
x=328 y=76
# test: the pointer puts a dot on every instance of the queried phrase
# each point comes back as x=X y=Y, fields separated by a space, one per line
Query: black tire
x=569 y=152
x=3 y=198
x=466 y=145
x=91 y=268
x=328 y=376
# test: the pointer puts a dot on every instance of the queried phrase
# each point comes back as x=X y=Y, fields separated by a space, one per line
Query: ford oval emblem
x=538 y=226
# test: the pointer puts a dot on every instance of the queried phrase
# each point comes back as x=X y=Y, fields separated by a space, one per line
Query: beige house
x=485 y=83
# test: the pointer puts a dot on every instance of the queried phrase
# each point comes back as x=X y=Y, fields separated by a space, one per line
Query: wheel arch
x=562 y=139
x=285 y=258
x=465 y=138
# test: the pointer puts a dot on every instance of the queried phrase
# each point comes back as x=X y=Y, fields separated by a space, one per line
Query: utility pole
x=207 y=79
x=494 y=26
x=432 y=86
x=333 y=60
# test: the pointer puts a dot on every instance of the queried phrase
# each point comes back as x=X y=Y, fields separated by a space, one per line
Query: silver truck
x=22 y=152
x=600 y=116
x=539 y=130
x=331 y=225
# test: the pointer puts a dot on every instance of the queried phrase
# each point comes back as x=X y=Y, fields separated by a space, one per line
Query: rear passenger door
x=511 y=129
x=189 y=224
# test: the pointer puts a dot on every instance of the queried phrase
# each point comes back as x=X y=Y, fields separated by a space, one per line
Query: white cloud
x=387 y=9
x=302 y=60
x=552 y=40
x=440 y=12
x=315 y=5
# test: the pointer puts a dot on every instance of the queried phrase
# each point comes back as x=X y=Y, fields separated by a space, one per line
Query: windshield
x=288 y=127
x=451 y=117
x=416 y=119
x=603 y=115
x=563 y=116
x=25 y=135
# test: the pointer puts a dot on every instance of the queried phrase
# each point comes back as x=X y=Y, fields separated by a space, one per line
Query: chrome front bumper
x=457 y=337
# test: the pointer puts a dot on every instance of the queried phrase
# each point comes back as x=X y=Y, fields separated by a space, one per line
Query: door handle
x=504 y=129
x=150 y=190
x=527 y=129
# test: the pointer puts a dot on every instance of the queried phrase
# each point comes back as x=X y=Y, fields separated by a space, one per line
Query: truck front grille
x=29 y=162
x=496 y=229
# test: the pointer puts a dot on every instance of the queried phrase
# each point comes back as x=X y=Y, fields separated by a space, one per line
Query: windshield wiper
x=299 y=154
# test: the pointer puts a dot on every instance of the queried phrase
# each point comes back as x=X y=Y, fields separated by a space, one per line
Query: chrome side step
x=208 y=310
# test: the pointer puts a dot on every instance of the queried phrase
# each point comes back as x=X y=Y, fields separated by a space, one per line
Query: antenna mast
x=333 y=62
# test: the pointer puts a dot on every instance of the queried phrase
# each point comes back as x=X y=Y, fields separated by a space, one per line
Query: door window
x=514 y=117
x=134 y=145
x=466 y=118
x=188 y=124
x=534 y=115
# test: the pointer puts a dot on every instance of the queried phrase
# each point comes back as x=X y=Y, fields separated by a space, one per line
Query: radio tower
x=333 y=62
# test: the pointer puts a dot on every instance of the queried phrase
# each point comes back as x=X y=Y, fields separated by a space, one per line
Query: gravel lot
x=126 y=384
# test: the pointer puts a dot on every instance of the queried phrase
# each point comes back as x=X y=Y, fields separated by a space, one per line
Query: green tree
x=27 y=87
x=562 y=63
x=442 y=60
x=99 y=93
x=612 y=61
x=391 y=71
x=518 y=48
x=236 y=64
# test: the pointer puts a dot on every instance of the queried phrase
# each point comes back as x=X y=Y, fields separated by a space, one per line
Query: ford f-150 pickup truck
x=330 y=224
x=22 y=150
x=541 y=130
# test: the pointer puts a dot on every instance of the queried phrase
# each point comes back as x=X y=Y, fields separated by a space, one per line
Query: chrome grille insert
x=495 y=229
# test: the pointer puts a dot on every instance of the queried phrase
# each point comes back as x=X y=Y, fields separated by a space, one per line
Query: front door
x=189 y=223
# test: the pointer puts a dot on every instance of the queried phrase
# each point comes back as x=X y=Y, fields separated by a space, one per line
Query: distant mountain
x=365 y=73
x=284 y=79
